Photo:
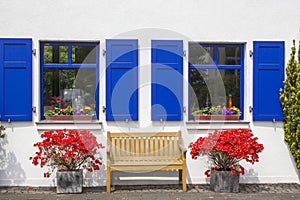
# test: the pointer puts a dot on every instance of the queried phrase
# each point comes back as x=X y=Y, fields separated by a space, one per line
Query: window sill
x=216 y=124
x=68 y=124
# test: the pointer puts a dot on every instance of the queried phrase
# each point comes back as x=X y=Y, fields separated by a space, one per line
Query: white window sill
x=62 y=124
x=216 y=124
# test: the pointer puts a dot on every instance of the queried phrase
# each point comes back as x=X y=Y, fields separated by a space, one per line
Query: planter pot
x=70 y=117
x=216 y=117
x=224 y=181
x=69 y=182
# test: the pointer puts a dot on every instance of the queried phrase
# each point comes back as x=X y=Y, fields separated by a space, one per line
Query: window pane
x=56 y=54
x=229 y=56
x=207 y=87
x=84 y=54
x=199 y=55
x=71 y=87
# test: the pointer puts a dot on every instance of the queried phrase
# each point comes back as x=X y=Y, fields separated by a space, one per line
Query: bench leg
x=108 y=179
x=180 y=176
x=184 y=179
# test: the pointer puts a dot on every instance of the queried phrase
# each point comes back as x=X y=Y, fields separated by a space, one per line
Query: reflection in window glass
x=229 y=56
x=74 y=87
x=84 y=54
x=207 y=87
x=199 y=55
x=56 y=54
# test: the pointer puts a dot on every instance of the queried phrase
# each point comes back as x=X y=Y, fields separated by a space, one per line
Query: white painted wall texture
x=194 y=20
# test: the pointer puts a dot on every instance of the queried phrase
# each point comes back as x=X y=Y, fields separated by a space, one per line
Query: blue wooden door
x=167 y=79
x=121 y=80
x=268 y=79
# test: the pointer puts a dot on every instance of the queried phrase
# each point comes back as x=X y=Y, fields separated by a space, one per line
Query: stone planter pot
x=69 y=182
x=224 y=181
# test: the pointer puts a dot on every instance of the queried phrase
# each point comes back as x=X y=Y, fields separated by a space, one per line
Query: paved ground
x=165 y=192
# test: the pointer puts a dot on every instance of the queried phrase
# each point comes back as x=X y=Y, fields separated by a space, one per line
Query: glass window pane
x=199 y=55
x=84 y=54
x=229 y=55
x=56 y=54
x=73 y=88
x=212 y=87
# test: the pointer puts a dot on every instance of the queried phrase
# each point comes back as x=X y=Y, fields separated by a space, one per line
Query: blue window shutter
x=268 y=79
x=167 y=80
x=16 y=79
x=121 y=80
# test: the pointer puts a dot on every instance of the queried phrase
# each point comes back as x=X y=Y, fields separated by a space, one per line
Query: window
x=215 y=75
x=69 y=78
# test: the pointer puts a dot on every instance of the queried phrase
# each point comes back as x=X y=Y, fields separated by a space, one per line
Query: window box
x=70 y=117
x=216 y=117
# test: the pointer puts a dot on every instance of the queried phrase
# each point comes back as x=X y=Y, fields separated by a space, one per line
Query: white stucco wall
x=195 y=20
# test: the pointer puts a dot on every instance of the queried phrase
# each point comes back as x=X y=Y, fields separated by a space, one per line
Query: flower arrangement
x=225 y=149
x=68 y=150
x=58 y=108
x=217 y=110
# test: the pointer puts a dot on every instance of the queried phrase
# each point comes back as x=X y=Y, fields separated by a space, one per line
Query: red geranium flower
x=68 y=150
x=226 y=148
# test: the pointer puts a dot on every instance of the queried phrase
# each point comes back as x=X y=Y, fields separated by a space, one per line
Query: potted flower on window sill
x=217 y=113
x=68 y=152
x=225 y=149
x=58 y=111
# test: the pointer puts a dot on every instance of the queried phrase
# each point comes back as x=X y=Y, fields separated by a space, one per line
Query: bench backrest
x=144 y=146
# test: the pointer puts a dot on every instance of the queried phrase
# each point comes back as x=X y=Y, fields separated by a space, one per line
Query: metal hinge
x=33 y=52
x=34 y=109
x=103 y=109
x=250 y=109
x=103 y=52
x=184 y=53
x=250 y=53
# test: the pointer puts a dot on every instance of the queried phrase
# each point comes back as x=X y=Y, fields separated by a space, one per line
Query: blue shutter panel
x=268 y=79
x=121 y=80
x=16 y=79
x=167 y=79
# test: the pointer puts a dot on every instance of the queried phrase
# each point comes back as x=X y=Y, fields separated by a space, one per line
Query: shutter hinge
x=103 y=109
x=250 y=53
x=34 y=52
x=184 y=53
x=250 y=109
x=34 y=109
x=103 y=52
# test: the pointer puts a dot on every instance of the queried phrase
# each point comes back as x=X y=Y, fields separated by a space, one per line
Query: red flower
x=226 y=148
x=68 y=150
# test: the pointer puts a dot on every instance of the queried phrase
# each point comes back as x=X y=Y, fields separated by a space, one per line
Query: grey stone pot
x=224 y=181
x=69 y=182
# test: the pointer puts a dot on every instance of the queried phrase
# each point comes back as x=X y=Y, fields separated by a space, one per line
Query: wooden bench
x=146 y=151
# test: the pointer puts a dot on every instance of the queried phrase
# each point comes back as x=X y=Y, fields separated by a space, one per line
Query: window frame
x=68 y=65
x=240 y=67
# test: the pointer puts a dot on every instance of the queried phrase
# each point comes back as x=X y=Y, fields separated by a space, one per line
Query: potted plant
x=59 y=111
x=225 y=149
x=68 y=152
x=217 y=113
